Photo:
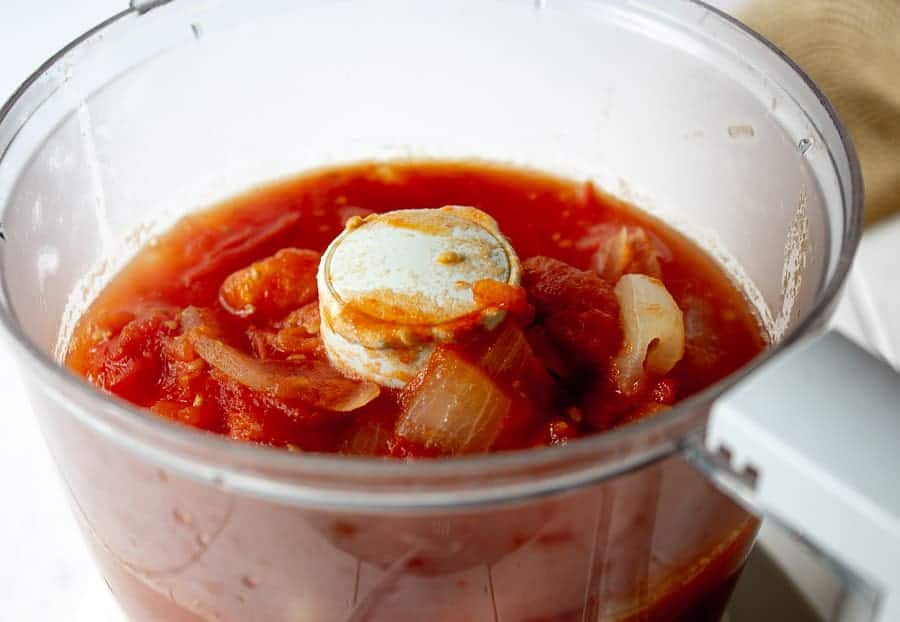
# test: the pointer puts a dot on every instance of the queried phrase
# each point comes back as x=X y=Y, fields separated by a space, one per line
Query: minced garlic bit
x=170 y=324
x=198 y=400
x=448 y=258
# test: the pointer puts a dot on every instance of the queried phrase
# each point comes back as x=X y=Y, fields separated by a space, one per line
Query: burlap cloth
x=851 y=49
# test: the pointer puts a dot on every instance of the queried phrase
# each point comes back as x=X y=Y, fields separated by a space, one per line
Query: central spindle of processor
x=394 y=284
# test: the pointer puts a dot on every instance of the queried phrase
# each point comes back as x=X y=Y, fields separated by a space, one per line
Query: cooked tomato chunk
x=577 y=308
x=130 y=363
x=272 y=287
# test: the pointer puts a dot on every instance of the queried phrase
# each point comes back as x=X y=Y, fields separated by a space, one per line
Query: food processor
x=173 y=105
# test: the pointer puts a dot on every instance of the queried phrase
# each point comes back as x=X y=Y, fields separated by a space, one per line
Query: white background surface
x=45 y=571
x=46 y=574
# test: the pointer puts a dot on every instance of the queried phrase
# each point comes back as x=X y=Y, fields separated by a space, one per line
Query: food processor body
x=169 y=107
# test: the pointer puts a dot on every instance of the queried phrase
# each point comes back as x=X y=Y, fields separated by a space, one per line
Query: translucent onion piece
x=455 y=407
x=510 y=356
x=611 y=259
x=315 y=382
x=653 y=330
x=622 y=249
x=368 y=438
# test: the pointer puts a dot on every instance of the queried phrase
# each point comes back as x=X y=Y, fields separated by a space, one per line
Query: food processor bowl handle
x=812 y=440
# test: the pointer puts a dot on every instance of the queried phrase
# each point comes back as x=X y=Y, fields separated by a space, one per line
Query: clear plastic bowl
x=170 y=106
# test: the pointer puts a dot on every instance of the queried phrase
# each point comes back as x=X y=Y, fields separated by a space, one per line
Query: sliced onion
x=459 y=406
x=315 y=382
x=455 y=407
x=612 y=258
x=368 y=438
x=625 y=249
x=653 y=330
x=509 y=357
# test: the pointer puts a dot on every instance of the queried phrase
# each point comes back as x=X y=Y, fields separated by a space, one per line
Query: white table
x=45 y=572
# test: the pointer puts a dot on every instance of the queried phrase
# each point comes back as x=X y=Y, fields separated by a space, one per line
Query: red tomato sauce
x=226 y=261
